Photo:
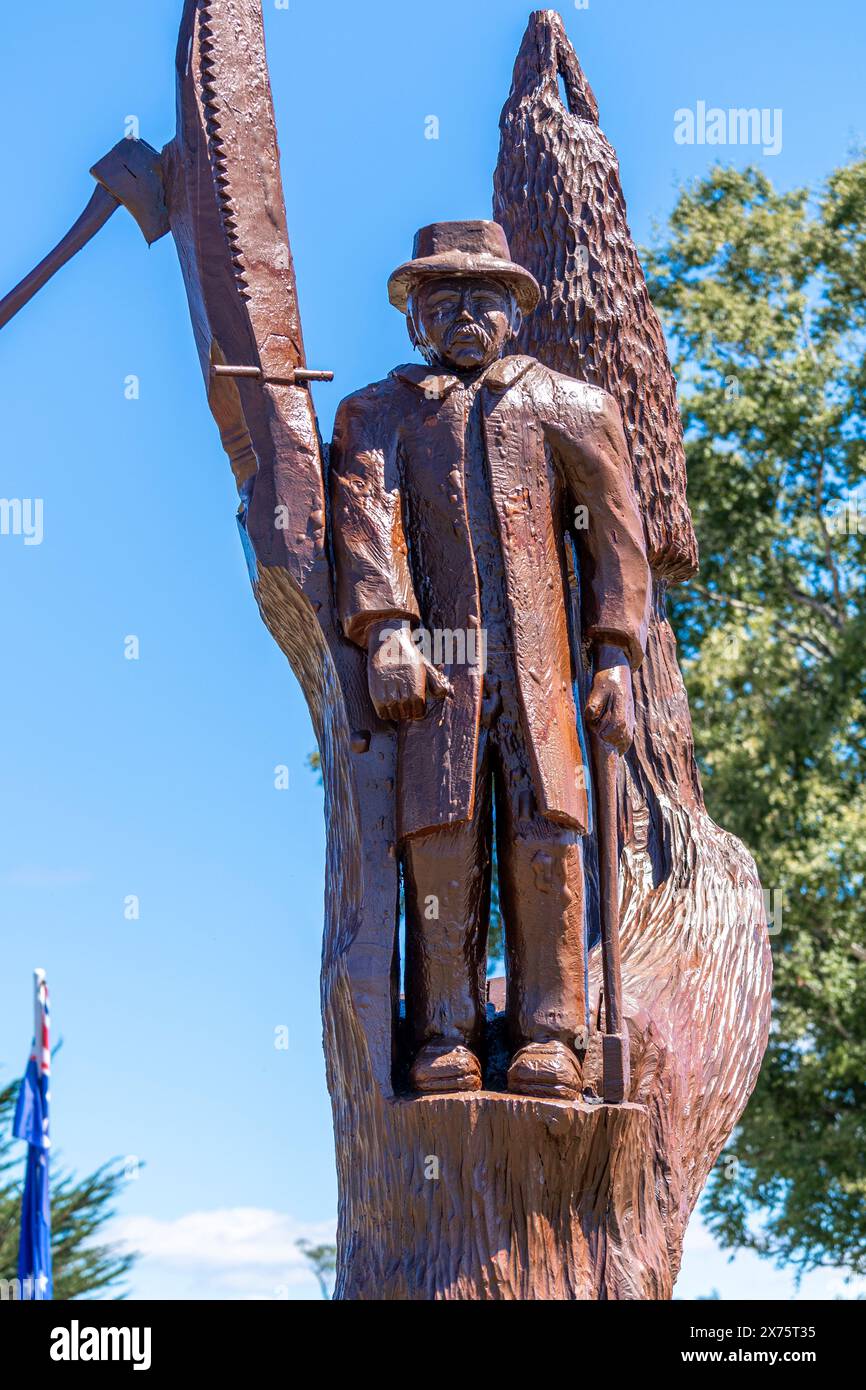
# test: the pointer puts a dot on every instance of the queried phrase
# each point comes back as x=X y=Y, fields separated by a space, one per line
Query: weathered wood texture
x=533 y=1199
x=558 y=195
x=696 y=960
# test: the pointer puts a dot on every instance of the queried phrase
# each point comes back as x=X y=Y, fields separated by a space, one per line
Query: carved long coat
x=403 y=549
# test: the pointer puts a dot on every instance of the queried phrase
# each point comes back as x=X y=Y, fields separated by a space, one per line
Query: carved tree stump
x=696 y=958
x=533 y=1199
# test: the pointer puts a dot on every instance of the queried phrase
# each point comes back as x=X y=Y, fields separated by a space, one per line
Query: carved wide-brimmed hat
x=462 y=249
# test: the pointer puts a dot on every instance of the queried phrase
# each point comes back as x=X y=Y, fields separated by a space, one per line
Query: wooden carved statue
x=453 y=487
x=470 y=588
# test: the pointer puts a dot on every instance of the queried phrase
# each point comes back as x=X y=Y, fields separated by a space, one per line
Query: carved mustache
x=469 y=332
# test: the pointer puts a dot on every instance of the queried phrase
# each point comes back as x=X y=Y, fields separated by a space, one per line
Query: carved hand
x=610 y=707
x=396 y=672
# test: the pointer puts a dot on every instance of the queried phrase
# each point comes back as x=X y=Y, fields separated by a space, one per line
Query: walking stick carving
x=572 y=1171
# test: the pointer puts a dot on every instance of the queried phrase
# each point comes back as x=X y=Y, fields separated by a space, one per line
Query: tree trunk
x=696 y=959
x=485 y=1195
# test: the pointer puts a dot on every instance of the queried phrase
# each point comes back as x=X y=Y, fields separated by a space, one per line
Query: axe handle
x=102 y=204
x=604 y=766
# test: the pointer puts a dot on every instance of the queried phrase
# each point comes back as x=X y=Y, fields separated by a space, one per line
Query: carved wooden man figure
x=454 y=488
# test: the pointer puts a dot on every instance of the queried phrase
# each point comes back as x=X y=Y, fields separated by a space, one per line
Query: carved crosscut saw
x=217 y=188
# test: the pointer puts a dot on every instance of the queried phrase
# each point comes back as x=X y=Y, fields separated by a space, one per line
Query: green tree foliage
x=82 y=1266
x=322 y=1259
x=764 y=298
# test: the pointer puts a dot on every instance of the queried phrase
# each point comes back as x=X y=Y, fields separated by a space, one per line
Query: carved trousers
x=541 y=888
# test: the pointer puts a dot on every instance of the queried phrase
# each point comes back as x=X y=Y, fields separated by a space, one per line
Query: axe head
x=132 y=173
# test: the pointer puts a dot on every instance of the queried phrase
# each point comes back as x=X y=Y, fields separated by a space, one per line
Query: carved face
x=462 y=323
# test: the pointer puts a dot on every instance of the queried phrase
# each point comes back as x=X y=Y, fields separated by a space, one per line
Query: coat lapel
x=526 y=499
x=438 y=753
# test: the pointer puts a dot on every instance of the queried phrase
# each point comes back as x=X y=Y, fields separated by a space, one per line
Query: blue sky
x=155 y=777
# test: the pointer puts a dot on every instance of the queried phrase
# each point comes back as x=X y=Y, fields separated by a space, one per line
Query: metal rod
x=308 y=374
x=218 y=370
x=299 y=374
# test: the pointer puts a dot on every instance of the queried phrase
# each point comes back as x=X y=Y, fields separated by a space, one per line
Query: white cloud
x=251 y=1252
x=699 y=1239
x=706 y=1267
x=237 y=1252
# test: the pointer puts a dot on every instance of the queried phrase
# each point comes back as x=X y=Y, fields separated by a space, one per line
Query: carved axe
x=130 y=174
x=614 y=1040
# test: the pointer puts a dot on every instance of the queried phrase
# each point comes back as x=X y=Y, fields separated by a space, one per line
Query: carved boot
x=445 y=1066
x=545 y=1069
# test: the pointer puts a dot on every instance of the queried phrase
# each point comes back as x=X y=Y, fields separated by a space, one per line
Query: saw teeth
x=208 y=72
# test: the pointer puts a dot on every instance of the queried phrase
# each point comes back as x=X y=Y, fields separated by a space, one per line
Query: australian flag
x=31 y=1125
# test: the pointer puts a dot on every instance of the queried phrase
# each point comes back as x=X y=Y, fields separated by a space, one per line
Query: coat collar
x=437 y=385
